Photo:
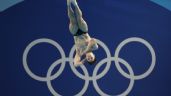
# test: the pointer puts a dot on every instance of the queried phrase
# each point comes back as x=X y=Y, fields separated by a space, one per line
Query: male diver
x=79 y=29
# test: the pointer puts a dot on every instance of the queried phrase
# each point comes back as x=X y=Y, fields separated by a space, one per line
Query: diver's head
x=90 y=58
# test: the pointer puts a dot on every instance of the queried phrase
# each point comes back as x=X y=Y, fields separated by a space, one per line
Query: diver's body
x=79 y=29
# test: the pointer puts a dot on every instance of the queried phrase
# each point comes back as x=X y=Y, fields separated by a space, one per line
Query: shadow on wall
x=5 y=4
x=164 y=3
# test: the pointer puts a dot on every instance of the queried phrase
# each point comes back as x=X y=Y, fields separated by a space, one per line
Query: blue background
x=111 y=21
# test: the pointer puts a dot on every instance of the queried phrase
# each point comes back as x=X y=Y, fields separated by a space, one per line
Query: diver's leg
x=81 y=22
x=73 y=27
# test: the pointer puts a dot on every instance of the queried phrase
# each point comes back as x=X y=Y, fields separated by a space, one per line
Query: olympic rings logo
x=49 y=77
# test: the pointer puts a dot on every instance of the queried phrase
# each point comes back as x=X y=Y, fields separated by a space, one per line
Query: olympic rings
x=153 y=62
x=32 y=44
x=108 y=59
x=125 y=64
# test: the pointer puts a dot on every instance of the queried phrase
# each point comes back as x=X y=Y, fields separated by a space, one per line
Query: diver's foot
x=74 y=2
x=68 y=2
